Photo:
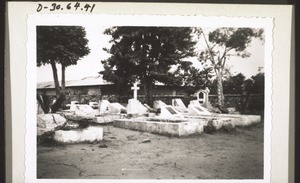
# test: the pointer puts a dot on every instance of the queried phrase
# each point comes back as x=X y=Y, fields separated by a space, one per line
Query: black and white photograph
x=132 y=97
x=120 y=92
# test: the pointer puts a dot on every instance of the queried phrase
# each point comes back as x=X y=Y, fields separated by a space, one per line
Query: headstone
x=169 y=111
x=136 y=107
x=73 y=105
x=202 y=97
x=157 y=104
x=179 y=105
x=116 y=108
x=195 y=108
x=103 y=106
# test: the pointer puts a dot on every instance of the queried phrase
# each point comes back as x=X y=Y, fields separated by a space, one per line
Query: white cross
x=135 y=88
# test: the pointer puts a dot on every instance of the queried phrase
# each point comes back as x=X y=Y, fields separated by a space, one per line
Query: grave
x=73 y=105
x=89 y=134
x=202 y=97
x=163 y=126
x=134 y=106
x=179 y=105
x=157 y=104
x=85 y=110
x=169 y=111
x=194 y=110
x=116 y=108
x=236 y=119
x=48 y=122
x=103 y=106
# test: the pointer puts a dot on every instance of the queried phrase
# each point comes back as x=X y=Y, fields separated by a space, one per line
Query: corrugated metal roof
x=87 y=81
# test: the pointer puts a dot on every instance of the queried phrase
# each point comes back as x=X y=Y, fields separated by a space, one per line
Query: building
x=95 y=87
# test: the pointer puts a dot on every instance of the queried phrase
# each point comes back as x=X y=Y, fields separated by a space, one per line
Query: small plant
x=209 y=128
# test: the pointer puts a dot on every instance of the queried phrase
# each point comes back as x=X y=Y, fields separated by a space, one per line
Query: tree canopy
x=223 y=43
x=146 y=54
x=63 y=45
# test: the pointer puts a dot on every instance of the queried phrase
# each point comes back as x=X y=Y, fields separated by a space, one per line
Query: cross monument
x=135 y=88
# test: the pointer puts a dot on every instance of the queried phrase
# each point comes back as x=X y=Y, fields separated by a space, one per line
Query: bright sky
x=90 y=65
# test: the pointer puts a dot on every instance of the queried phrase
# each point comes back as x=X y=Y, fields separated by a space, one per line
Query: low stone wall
x=163 y=128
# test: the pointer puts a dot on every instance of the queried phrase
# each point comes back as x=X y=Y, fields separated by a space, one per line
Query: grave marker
x=135 y=88
x=169 y=111
x=179 y=105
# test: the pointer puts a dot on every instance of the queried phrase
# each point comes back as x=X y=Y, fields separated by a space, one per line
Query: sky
x=90 y=65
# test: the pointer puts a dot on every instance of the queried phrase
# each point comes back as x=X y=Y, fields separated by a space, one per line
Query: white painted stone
x=106 y=118
x=199 y=107
x=157 y=104
x=93 y=104
x=169 y=111
x=85 y=110
x=89 y=134
x=48 y=122
x=115 y=108
x=73 y=105
x=136 y=107
x=197 y=110
x=179 y=105
x=104 y=106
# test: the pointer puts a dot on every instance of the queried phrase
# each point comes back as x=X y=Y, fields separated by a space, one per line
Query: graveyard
x=138 y=141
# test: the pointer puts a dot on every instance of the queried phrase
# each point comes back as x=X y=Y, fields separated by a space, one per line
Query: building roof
x=87 y=81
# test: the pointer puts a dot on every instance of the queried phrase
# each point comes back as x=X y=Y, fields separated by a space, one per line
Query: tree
x=63 y=45
x=222 y=44
x=193 y=79
x=234 y=84
x=146 y=54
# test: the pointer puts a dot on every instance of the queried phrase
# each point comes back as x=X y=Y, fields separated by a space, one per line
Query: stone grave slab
x=179 y=105
x=198 y=106
x=169 y=111
x=157 y=104
x=106 y=118
x=85 y=110
x=103 y=106
x=73 y=105
x=136 y=107
x=116 y=108
x=89 y=134
x=178 y=129
x=48 y=122
x=196 y=110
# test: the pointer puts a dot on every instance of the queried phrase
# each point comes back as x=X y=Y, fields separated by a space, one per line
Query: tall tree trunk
x=220 y=89
x=55 y=77
x=147 y=91
x=63 y=77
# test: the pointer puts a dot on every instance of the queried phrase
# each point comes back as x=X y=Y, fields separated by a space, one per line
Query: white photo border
x=139 y=20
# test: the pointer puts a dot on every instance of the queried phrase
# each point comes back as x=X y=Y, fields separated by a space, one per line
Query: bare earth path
x=236 y=155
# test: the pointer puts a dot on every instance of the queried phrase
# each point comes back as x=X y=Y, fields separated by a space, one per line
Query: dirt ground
x=123 y=155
